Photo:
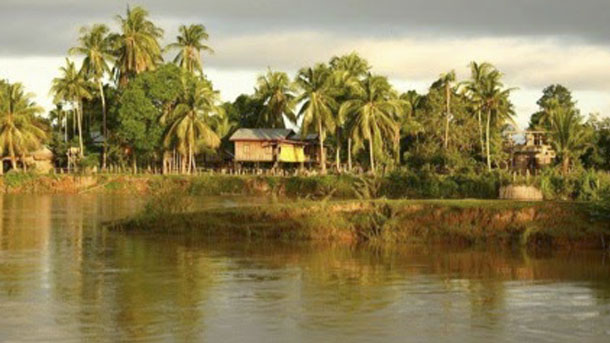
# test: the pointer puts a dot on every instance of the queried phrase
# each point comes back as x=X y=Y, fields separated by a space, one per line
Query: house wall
x=253 y=151
x=291 y=153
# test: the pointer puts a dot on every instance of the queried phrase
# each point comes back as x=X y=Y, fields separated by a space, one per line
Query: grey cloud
x=47 y=27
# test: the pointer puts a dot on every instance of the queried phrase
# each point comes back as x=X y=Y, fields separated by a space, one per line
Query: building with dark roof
x=273 y=145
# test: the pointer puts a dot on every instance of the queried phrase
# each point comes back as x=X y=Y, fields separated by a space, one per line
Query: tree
x=59 y=115
x=190 y=122
x=446 y=80
x=72 y=87
x=19 y=131
x=569 y=135
x=276 y=94
x=96 y=46
x=553 y=93
x=189 y=43
x=474 y=90
x=348 y=71
x=374 y=113
x=137 y=46
x=319 y=104
x=141 y=106
x=496 y=105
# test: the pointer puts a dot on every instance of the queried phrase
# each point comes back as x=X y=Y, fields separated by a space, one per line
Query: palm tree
x=319 y=104
x=496 y=104
x=569 y=135
x=60 y=115
x=474 y=88
x=276 y=94
x=19 y=132
x=72 y=87
x=348 y=71
x=96 y=46
x=190 y=124
x=446 y=80
x=374 y=113
x=189 y=42
x=137 y=46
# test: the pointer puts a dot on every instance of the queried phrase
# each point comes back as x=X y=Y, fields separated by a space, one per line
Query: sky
x=535 y=43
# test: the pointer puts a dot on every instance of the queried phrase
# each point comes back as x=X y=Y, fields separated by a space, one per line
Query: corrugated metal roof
x=261 y=134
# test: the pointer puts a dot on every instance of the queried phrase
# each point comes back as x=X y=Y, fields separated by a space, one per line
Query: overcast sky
x=534 y=42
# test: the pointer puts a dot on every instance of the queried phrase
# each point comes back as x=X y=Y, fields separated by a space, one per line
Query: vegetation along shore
x=526 y=224
x=130 y=107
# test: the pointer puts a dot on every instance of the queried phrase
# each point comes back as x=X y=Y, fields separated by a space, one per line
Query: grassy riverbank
x=553 y=224
x=584 y=186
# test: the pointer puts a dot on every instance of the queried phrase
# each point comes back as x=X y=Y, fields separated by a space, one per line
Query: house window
x=246 y=149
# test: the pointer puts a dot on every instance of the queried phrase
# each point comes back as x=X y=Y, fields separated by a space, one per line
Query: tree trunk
x=487 y=140
x=134 y=162
x=372 y=155
x=565 y=165
x=80 y=127
x=448 y=100
x=349 y=154
x=397 y=146
x=322 y=154
x=11 y=152
x=481 y=133
x=104 y=129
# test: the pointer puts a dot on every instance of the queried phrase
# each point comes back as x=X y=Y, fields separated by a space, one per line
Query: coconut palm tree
x=95 y=45
x=319 y=104
x=189 y=122
x=60 y=115
x=137 y=46
x=446 y=81
x=374 y=112
x=72 y=87
x=189 y=43
x=348 y=71
x=473 y=88
x=569 y=136
x=497 y=106
x=276 y=94
x=19 y=131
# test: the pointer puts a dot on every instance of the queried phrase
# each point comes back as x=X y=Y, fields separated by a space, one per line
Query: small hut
x=273 y=145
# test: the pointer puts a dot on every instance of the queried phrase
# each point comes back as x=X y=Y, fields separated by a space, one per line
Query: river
x=64 y=278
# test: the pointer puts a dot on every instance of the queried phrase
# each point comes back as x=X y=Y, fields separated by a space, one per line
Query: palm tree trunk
x=565 y=165
x=134 y=161
x=397 y=146
x=80 y=127
x=372 y=156
x=322 y=154
x=448 y=100
x=13 y=158
x=349 y=154
x=481 y=132
x=104 y=129
x=190 y=161
x=487 y=140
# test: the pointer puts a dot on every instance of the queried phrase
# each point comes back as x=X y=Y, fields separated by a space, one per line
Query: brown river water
x=65 y=278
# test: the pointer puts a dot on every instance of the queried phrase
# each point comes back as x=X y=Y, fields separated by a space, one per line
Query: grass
x=464 y=222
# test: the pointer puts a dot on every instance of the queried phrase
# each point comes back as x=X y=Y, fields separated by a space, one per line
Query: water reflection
x=63 y=277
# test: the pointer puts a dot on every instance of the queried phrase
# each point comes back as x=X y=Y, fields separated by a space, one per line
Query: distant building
x=535 y=153
x=274 y=145
x=40 y=161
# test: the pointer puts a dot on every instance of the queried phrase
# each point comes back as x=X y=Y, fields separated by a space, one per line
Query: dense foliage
x=128 y=108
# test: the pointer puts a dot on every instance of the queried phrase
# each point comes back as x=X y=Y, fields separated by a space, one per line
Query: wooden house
x=273 y=145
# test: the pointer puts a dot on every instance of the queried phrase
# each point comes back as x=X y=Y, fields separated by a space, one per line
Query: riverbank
x=541 y=224
x=345 y=186
x=403 y=184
